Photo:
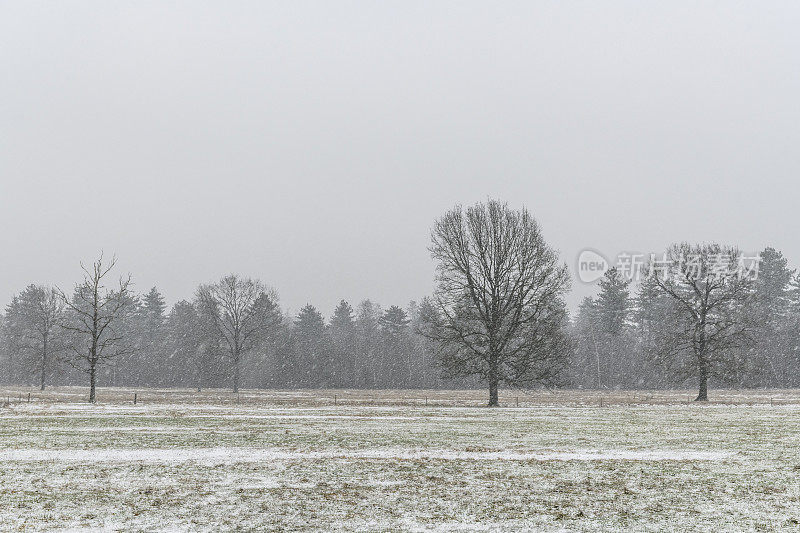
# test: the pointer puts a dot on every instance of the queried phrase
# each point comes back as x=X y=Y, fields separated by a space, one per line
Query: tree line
x=232 y=333
x=738 y=332
x=497 y=318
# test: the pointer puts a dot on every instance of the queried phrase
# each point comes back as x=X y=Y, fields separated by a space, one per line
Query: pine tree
x=15 y=344
x=396 y=364
x=793 y=295
x=793 y=326
x=429 y=371
x=151 y=319
x=342 y=338
x=604 y=344
x=771 y=305
x=35 y=320
x=133 y=366
x=587 y=368
x=209 y=364
x=310 y=349
x=657 y=321
x=183 y=337
x=367 y=344
x=613 y=303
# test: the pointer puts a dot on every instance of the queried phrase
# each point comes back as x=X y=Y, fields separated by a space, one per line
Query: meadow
x=398 y=461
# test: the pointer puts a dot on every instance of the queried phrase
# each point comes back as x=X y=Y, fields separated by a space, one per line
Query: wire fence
x=13 y=396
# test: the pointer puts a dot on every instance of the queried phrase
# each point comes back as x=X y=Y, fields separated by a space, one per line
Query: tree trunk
x=44 y=365
x=494 y=375
x=703 y=395
x=236 y=373
x=92 y=383
x=493 y=401
x=493 y=381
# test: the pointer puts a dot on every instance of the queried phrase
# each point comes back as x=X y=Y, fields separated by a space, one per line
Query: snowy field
x=381 y=461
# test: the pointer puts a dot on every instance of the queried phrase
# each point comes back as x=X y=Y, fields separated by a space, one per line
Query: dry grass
x=383 y=461
x=401 y=397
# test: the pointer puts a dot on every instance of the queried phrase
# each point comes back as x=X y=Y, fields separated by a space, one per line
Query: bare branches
x=707 y=284
x=242 y=310
x=93 y=314
x=497 y=282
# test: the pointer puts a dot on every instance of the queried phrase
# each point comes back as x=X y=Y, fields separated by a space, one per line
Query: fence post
x=334 y=399
x=134 y=398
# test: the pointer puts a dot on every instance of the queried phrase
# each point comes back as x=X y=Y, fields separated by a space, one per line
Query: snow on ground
x=254 y=455
x=177 y=463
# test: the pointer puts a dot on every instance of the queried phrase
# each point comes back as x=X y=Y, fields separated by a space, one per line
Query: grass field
x=386 y=461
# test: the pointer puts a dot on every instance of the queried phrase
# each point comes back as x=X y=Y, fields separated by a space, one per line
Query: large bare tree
x=500 y=313
x=245 y=312
x=37 y=312
x=711 y=288
x=94 y=312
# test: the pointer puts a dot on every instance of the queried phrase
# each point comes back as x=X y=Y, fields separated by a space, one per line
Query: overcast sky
x=312 y=144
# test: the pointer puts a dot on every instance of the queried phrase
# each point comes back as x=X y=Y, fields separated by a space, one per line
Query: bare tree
x=93 y=314
x=500 y=314
x=37 y=312
x=246 y=312
x=710 y=288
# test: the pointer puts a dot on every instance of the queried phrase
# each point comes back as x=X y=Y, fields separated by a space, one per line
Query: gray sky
x=312 y=144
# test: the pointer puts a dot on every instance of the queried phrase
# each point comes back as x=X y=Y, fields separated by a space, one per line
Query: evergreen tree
x=613 y=303
x=5 y=351
x=151 y=318
x=771 y=362
x=395 y=356
x=310 y=349
x=793 y=295
x=367 y=344
x=587 y=367
x=15 y=345
x=793 y=327
x=132 y=367
x=267 y=340
x=605 y=345
x=183 y=337
x=342 y=338
x=657 y=321
x=34 y=319
x=209 y=362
